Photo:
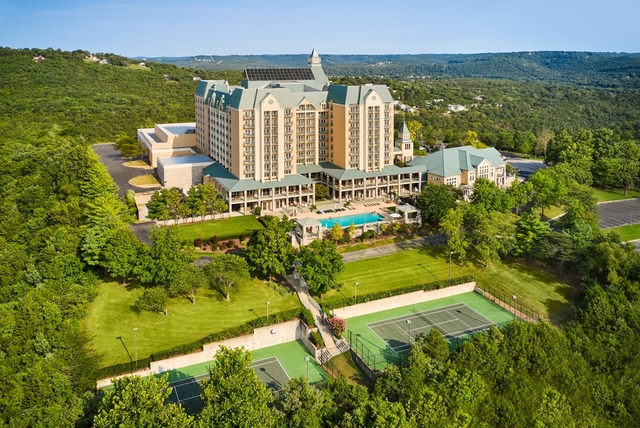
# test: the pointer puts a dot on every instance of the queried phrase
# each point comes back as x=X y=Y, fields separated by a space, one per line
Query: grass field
x=137 y=164
x=110 y=321
x=614 y=194
x=629 y=232
x=226 y=228
x=534 y=285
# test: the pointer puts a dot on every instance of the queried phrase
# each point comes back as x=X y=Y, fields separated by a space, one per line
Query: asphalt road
x=121 y=174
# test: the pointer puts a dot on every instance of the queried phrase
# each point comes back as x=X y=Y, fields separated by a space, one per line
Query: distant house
x=141 y=64
x=38 y=58
x=456 y=108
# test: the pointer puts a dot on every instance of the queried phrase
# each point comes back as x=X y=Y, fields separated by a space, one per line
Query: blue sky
x=212 y=27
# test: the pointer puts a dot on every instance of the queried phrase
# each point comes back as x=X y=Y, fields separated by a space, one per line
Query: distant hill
x=581 y=68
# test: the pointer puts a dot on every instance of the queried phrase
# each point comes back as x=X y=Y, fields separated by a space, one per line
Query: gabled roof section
x=345 y=95
x=232 y=184
x=453 y=161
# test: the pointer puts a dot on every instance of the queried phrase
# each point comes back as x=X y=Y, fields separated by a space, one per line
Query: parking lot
x=121 y=174
x=619 y=213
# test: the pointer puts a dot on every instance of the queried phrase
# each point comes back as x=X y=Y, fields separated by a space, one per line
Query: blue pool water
x=356 y=219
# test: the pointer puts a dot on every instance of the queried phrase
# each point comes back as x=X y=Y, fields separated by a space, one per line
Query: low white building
x=182 y=171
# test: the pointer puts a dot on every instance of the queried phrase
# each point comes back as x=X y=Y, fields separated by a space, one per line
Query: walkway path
x=384 y=250
x=331 y=346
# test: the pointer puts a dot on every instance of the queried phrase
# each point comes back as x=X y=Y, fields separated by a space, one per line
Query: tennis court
x=452 y=321
x=382 y=338
x=187 y=391
x=273 y=365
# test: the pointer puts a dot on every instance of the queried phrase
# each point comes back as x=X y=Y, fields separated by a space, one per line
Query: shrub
x=197 y=242
x=307 y=317
x=257 y=210
x=214 y=241
x=338 y=326
x=316 y=339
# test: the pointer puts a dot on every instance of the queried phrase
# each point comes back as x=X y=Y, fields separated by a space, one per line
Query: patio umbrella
x=395 y=215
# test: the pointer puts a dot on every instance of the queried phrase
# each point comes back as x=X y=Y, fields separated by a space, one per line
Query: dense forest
x=60 y=216
x=579 y=68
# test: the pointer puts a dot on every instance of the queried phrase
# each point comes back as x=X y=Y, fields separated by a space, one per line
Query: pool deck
x=376 y=206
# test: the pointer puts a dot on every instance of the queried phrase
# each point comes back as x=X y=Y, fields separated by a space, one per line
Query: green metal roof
x=232 y=184
x=350 y=174
x=453 y=161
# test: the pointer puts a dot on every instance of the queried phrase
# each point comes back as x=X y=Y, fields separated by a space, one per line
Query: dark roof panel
x=276 y=74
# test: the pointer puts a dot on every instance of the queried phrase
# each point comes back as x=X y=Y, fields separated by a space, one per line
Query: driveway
x=121 y=174
x=619 y=213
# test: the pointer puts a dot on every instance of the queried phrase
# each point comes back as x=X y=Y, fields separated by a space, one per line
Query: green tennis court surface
x=451 y=321
x=187 y=391
x=382 y=338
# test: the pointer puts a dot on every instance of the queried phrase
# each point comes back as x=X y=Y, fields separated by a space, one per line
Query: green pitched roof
x=453 y=161
x=232 y=184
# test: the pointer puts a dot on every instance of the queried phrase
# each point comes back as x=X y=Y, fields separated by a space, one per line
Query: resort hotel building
x=283 y=131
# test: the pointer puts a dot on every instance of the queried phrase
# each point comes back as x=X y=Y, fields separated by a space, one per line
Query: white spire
x=314 y=59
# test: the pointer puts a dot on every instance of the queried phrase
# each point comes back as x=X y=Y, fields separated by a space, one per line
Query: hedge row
x=335 y=304
x=196 y=346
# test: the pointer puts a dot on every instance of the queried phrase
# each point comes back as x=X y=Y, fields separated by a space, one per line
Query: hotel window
x=452 y=181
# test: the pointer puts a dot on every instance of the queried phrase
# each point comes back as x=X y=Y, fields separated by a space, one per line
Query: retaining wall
x=261 y=338
x=402 y=300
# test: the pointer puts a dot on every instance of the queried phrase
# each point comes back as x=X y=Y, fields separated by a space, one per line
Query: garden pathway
x=331 y=346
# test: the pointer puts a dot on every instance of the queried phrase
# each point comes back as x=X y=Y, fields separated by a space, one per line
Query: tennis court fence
x=508 y=302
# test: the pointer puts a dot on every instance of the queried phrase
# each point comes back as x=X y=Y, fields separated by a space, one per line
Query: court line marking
x=414 y=315
x=447 y=309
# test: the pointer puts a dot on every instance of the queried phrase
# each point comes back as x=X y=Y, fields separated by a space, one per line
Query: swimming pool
x=356 y=219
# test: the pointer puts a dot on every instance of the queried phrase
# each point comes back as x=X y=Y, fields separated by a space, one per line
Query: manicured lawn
x=535 y=286
x=614 y=194
x=226 y=228
x=137 y=164
x=142 y=180
x=553 y=212
x=627 y=233
x=110 y=321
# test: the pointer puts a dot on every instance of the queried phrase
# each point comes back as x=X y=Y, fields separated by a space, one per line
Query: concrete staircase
x=333 y=346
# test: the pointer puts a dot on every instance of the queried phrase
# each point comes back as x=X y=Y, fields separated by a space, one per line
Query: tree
x=414 y=128
x=434 y=345
x=336 y=233
x=628 y=166
x=452 y=225
x=233 y=395
x=493 y=235
x=225 y=272
x=529 y=231
x=351 y=231
x=187 y=281
x=548 y=188
x=542 y=141
x=488 y=195
x=434 y=201
x=322 y=192
x=320 y=264
x=165 y=258
x=122 y=253
x=153 y=300
x=195 y=201
x=270 y=252
x=128 y=146
x=302 y=405
x=520 y=194
x=378 y=413
x=137 y=402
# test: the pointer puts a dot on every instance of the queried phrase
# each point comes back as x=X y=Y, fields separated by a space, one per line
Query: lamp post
x=515 y=306
x=355 y=292
x=409 y=322
x=450 y=254
x=135 y=344
x=268 y=303
x=307 y=360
